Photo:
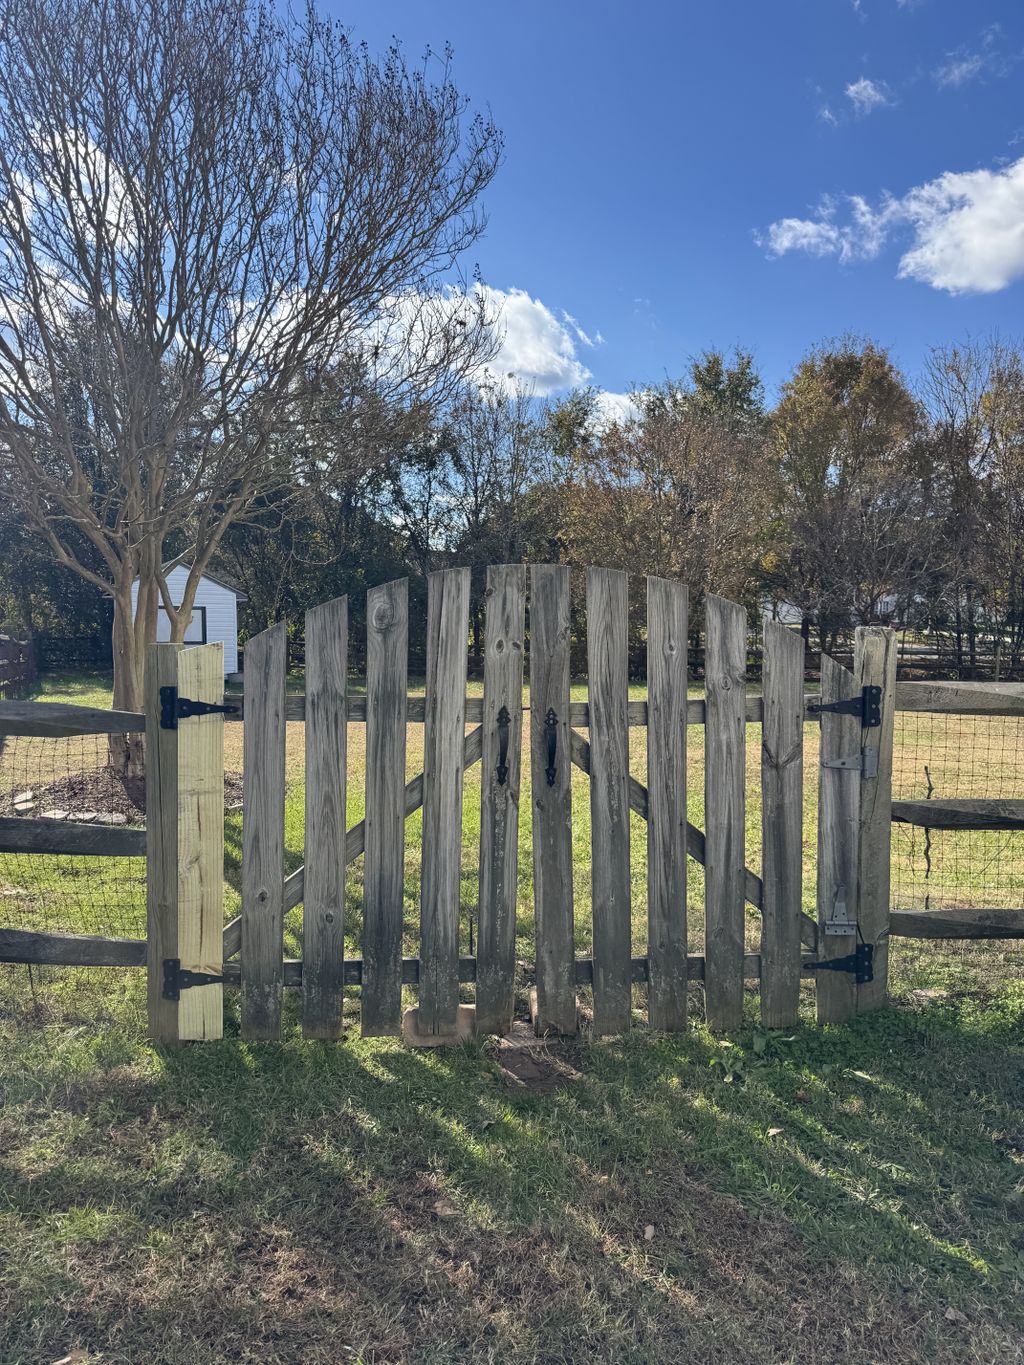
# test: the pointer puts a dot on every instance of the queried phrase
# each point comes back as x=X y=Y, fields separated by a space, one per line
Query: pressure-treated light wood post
x=874 y=665
x=185 y=844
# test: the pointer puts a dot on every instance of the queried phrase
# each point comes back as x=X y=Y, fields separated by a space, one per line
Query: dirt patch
x=91 y=793
x=531 y=1063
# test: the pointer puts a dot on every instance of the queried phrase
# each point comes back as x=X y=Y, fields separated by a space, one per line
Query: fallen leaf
x=954 y=1315
x=774 y=1132
x=649 y=1233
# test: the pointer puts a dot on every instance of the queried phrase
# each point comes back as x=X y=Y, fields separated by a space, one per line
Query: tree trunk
x=127 y=756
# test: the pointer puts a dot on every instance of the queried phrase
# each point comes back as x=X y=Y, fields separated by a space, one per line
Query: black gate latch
x=174 y=708
x=868 y=706
x=860 y=962
x=178 y=978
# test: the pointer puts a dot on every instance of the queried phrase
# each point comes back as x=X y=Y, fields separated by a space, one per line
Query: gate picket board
x=323 y=909
x=782 y=812
x=838 y=828
x=666 y=804
x=499 y=797
x=387 y=664
x=444 y=736
x=263 y=754
x=608 y=670
x=724 y=811
x=555 y=1006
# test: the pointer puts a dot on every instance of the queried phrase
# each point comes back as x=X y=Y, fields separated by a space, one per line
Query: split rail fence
x=190 y=954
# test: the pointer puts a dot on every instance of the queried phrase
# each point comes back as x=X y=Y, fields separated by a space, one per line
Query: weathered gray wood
x=724 y=806
x=782 y=805
x=752 y=886
x=838 y=826
x=71 y=950
x=21 y=834
x=444 y=732
x=161 y=670
x=387 y=664
x=58 y=720
x=666 y=804
x=263 y=834
x=552 y=801
x=963 y=813
x=966 y=699
x=355 y=839
x=957 y=923
x=323 y=911
x=874 y=665
x=608 y=681
x=499 y=797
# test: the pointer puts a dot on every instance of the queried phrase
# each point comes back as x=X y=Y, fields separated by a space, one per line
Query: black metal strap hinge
x=868 y=706
x=174 y=708
x=178 y=978
x=860 y=962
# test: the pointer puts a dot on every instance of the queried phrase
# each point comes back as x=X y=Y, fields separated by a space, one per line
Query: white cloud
x=867 y=95
x=964 y=65
x=960 y=69
x=967 y=227
x=534 y=346
x=612 y=408
x=596 y=340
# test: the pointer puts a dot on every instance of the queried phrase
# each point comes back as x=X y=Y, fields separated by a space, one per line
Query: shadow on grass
x=837 y=1199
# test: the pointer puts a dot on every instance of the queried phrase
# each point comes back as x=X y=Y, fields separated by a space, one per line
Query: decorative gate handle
x=551 y=726
x=504 y=722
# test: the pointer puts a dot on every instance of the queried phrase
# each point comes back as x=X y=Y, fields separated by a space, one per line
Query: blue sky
x=763 y=173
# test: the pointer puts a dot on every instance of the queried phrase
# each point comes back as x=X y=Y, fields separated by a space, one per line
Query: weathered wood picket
x=191 y=954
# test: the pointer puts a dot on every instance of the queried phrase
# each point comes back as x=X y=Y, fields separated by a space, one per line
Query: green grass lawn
x=854 y=1193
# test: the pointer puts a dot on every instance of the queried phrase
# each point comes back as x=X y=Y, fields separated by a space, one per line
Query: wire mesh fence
x=935 y=757
x=942 y=757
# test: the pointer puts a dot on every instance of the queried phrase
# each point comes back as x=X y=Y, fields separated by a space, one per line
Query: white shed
x=214 y=615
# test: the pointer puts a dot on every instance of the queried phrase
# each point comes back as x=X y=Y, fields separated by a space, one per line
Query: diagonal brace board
x=752 y=884
x=355 y=841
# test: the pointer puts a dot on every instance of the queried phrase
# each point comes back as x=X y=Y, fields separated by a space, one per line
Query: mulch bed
x=98 y=790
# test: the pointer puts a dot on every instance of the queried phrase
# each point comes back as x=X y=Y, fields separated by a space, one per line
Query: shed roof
x=220 y=580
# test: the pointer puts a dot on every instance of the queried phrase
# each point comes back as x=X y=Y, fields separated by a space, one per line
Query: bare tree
x=202 y=208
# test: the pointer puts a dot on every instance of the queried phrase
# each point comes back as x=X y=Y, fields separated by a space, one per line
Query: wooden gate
x=844 y=948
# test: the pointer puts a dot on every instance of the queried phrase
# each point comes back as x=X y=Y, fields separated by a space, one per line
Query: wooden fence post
x=874 y=665
x=185 y=845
